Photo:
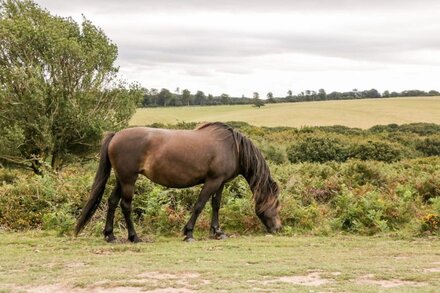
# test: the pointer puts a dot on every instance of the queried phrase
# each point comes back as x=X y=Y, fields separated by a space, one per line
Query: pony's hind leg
x=208 y=189
x=217 y=233
x=113 y=202
x=127 y=197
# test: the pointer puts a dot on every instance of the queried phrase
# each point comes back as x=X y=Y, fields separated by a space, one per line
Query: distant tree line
x=164 y=97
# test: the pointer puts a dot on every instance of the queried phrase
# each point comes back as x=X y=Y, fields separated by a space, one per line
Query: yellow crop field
x=353 y=113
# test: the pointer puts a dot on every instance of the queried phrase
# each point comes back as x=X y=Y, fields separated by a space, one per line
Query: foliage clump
x=59 y=90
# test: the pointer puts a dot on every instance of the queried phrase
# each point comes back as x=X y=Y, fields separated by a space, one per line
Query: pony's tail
x=98 y=186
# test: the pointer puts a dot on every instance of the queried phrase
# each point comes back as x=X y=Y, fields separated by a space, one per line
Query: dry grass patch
x=241 y=264
x=352 y=113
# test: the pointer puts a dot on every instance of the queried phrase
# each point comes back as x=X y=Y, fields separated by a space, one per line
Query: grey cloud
x=398 y=30
x=104 y=6
x=202 y=48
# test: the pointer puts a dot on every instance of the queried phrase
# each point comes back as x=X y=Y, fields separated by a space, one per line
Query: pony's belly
x=172 y=177
x=173 y=181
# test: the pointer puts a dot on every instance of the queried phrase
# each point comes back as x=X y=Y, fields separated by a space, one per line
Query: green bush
x=273 y=153
x=377 y=151
x=357 y=214
x=318 y=148
x=417 y=128
x=430 y=146
x=429 y=187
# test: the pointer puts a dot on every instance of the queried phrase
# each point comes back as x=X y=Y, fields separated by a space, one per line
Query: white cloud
x=239 y=47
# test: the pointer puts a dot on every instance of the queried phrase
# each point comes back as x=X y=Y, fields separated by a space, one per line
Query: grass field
x=39 y=262
x=353 y=113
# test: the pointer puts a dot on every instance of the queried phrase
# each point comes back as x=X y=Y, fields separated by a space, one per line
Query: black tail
x=98 y=186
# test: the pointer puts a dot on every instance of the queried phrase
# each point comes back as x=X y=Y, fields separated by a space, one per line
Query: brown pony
x=211 y=154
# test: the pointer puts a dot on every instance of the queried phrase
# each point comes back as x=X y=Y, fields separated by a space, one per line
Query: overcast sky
x=238 y=47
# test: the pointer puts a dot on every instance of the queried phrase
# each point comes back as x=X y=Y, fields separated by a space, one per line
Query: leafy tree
x=164 y=97
x=200 y=98
x=225 y=99
x=58 y=87
x=257 y=101
x=322 y=94
x=270 y=98
x=186 y=97
x=210 y=99
x=373 y=93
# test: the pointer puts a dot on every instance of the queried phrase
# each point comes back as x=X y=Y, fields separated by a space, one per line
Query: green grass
x=353 y=113
x=37 y=260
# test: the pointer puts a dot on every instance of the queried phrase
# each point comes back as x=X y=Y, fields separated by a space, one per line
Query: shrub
x=273 y=153
x=417 y=128
x=378 y=151
x=363 y=215
x=430 y=146
x=358 y=173
x=317 y=148
x=429 y=187
x=430 y=223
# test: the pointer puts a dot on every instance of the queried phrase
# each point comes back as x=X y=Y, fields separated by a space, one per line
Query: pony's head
x=268 y=210
x=255 y=170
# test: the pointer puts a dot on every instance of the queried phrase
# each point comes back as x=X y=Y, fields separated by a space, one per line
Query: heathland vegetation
x=59 y=93
x=333 y=179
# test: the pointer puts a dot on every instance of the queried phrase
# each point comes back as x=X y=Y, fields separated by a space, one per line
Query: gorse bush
x=325 y=147
x=430 y=146
x=318 y=148
x=377 y=150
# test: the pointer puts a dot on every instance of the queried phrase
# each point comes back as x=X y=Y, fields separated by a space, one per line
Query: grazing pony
x=212 y=154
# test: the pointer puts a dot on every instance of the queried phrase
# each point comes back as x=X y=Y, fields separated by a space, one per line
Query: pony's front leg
x=210 y=187
x=216 y=232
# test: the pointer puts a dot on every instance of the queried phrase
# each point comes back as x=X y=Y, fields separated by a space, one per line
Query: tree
x=257 y=101
x=373 y=93
x=58 y=87
x=225 y=99
x=200 y=98
x=186 y=97
x=270 y=98
x=322 y=94
x=164 y=97
x=289 y=93
x=210 y=99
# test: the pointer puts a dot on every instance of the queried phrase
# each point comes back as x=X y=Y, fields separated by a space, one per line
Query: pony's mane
x=253 y=167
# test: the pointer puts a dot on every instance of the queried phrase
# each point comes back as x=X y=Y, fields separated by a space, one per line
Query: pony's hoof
x=189 y=239
x=110 y=239
x=134 y=239
x=221 y=236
